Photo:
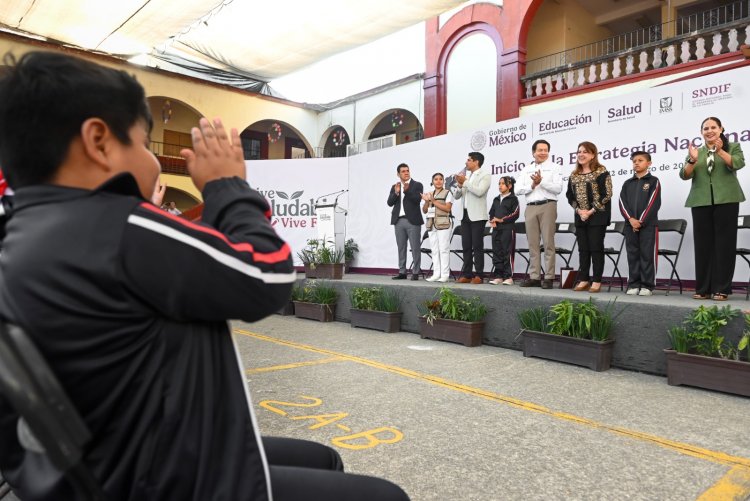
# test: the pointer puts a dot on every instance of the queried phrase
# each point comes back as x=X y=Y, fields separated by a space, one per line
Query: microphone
x=337 y=193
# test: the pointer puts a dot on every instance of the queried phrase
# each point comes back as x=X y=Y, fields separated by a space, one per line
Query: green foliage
x=350 y=249
x=579 y=320
x=375 y=298
x=534 y=319
x=317 y=291
x=700 y=334
x=317 y=253
x=745 y=340
x=450 y=306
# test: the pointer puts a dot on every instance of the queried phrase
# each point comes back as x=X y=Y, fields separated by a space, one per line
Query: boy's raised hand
x=214 y=155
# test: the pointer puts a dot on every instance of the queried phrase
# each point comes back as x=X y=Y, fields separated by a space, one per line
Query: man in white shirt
x=541 y=182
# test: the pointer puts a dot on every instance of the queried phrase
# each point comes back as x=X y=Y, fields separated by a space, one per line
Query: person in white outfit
x=437 y=207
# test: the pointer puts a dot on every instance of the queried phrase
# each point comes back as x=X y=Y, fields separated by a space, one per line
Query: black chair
x=459 y=253
x=427 y=251
x=672 y=255
x=613 y=253
x=519 y=228
x=488 y=249
x=744 y=224
x=565 y=253
x=49 y=423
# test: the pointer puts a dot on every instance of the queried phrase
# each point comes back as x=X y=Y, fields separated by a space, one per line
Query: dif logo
x=711 y=91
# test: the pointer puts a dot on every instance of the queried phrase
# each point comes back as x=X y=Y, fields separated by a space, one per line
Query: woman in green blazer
x=714 y=201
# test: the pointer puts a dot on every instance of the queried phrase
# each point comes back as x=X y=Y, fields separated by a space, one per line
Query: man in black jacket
x=640 y=199
x=406 y=218
x=129 y=304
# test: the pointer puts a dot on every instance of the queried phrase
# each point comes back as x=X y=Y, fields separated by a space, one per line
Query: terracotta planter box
x=315 y=311
x=455 y=331
x=286 y=310
x=327 y=271
x=729 y=376
x=596 y=355
x=385 y=321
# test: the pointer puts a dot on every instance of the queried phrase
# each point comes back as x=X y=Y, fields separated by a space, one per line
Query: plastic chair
x=743 y=223
x=672 y=255
x=565 y=229
x=427 y=251
x=519 y=228
x=614 y=253
x=457 y=252
x=49 y=421
x=488 y=249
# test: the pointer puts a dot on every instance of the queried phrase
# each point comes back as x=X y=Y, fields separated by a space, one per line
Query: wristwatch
x=691 y=162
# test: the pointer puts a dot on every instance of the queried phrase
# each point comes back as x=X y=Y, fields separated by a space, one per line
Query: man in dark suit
x=406 y=218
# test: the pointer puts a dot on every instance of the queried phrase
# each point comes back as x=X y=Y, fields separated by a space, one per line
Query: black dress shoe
x=400 y=276
x=546 y=283
x=531 y=283
x=415 y=277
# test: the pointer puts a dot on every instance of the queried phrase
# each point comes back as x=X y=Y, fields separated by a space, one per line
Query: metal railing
x=680 y=27
x=169 y=158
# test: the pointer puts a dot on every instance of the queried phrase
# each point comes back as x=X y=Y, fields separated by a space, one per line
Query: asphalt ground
x=447 y=422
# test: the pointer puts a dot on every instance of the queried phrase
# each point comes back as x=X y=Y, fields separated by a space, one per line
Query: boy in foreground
x=640 y=199
x=129 y=304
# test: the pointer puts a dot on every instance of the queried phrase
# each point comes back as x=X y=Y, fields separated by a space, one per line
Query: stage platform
x=640 y=331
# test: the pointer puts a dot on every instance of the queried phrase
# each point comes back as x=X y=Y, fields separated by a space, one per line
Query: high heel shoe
x=582 y=286
x=595 y=287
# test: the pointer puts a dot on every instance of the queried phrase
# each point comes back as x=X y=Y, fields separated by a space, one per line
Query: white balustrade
x=685 y=51
x=629 y=64
x=643 y=61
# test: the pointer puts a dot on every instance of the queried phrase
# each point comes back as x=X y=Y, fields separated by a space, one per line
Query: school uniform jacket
x=128 y=304
x=641 y=199
x=505 y=209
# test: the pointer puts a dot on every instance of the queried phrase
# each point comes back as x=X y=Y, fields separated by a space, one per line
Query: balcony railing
x=169 y=158
x=689 y=38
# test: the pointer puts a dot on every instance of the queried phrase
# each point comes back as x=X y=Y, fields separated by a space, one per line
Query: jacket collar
x=121 y=184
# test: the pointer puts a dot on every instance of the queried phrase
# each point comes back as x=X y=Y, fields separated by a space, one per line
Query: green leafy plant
x=375 y=299
x=700 y=333
x=745 y=339
x=566 y=318
x=315 y=253
x=450 y=306
x=350 y=249
x=317 y=291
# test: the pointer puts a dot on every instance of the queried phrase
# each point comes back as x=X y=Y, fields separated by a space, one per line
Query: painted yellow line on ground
x=293 y=366
x=682 y=448
x=734 y=486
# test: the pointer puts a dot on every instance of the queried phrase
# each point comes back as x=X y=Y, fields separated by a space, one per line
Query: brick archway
x=507 y=26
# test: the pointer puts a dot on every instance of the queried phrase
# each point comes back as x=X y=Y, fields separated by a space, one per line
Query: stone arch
x=173 y=120
x=411 y=128
x=261 y=136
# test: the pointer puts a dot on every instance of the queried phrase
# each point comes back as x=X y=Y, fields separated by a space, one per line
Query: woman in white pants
x=437 y=206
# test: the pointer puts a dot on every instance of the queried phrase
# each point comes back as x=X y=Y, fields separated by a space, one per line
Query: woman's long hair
x=591 y=148
x=724 y=140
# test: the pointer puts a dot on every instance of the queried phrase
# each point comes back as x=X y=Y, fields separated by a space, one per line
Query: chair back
x=743 y=222
x=49 y=423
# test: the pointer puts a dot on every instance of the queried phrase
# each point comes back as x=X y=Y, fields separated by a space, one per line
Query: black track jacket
x=641 y=199
x=129 y=305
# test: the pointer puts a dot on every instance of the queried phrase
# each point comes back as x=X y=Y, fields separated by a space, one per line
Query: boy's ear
x=95 y=138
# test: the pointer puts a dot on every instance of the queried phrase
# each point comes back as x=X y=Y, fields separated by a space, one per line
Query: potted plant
x=449 y=317
x=350 y=252
x=316 y=301
x=576 y=333
x=701 y=357
x=376 y=308
x=322 y=261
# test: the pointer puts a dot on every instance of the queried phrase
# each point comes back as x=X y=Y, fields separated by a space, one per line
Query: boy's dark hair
x=537 y=143
x=398 y=169
x=475 y=155
x=44 y=99
x=641 y=153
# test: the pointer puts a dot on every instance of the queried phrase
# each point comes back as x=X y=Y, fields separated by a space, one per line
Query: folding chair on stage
x=457 y=252
x=427 y=251
x=672 y=255
x=743 y=223
x=613 y=253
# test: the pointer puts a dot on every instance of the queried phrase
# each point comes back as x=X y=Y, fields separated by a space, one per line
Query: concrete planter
x=385 y=321
x=327 y=271
x=455 y=331
x=596 y=355
x=286 y=310
x=315 y=311
x=719 y=374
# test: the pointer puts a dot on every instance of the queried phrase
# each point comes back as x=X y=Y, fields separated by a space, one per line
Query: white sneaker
x=443 y=279
x=433 y=278
x=645 y=292
x=496 y=281
x=633 y=292
x=508 y=281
